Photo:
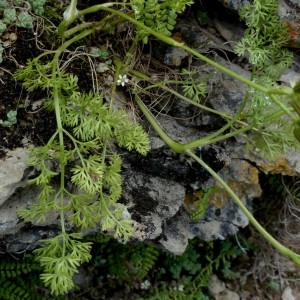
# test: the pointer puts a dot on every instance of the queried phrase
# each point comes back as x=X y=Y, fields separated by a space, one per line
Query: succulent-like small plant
x=10 y=15
x=11 y=119
x=25 y=20
x=3 y=27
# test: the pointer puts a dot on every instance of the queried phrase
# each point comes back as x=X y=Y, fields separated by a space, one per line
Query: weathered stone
x=216 y=286
x=151 y=200
x=288 y=11
x=218 y=290
x=228 y=295
x=12 y=170
x=287 y=164
x=155 y=186
x=288 y=294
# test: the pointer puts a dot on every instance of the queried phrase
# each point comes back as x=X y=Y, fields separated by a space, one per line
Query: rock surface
x=12 y=170
x=288 y=11
x=157 y=186
x=218 y=290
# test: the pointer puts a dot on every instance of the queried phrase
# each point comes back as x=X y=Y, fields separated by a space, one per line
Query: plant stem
x=175 y=146
x=60 y=130
x=166 y=88
x=282 y=249
x=179 y=147
x=172 y=42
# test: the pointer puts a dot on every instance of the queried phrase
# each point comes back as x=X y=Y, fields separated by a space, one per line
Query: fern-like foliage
x=264 y=41
x=265 y=38
x=132 y=262
x=159 y=15
x=10 y=291
x=60 y=257
x=193 y=89
x=18 y=278
x=203 y=204
x=90 y=198
x=192 y=272
x=219 y=261
x=188 y=262
x=274 y=131
x=14 y=268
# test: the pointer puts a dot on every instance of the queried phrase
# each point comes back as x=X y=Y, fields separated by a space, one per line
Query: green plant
x=200 y=210
x=11 y=119
x=188 y=276
x=37 y=6
x=264 y=38
x=13 y=284
x=24 y=20
x=100 y=53
x=3 y=4
x=194 y=89
x=2 y=27
x=9 y=15
x=158 y=14
x=95 y=176
x=132 y=263
x=91 y=126
x=185 y=266
x=17 y=13
x=264 y=41
x=156 y=274
x=274 y=285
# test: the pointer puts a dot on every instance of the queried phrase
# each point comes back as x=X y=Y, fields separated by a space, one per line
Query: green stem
x=166 y=88
x=283 y=107
x=172 y=42
x=175 y=146
x=129 y=57
x=61 y=143
x=282 y=249
x=60 y=130
x=77 y=28
x=179 y=147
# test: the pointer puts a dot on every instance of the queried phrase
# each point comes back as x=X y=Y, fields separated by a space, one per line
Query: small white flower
x=122 y=80
x=145 y=285
x=180 y=287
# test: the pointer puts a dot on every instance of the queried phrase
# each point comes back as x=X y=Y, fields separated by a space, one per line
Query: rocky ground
x=156 y=187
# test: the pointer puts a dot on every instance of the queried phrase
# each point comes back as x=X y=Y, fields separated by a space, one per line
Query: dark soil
x=33 y=127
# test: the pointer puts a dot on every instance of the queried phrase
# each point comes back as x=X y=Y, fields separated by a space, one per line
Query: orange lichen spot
x=280 y=166
x=293 y=33
x=247 y=172
x=219 y=201
x=178 y=38
x=198 y=194
x=191 y=201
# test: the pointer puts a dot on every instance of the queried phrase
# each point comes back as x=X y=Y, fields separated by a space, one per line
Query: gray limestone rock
x=288 y=12
x=156 y=187
x=12 y=170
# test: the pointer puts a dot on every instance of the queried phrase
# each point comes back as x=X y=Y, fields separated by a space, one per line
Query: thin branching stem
x=282 y=249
